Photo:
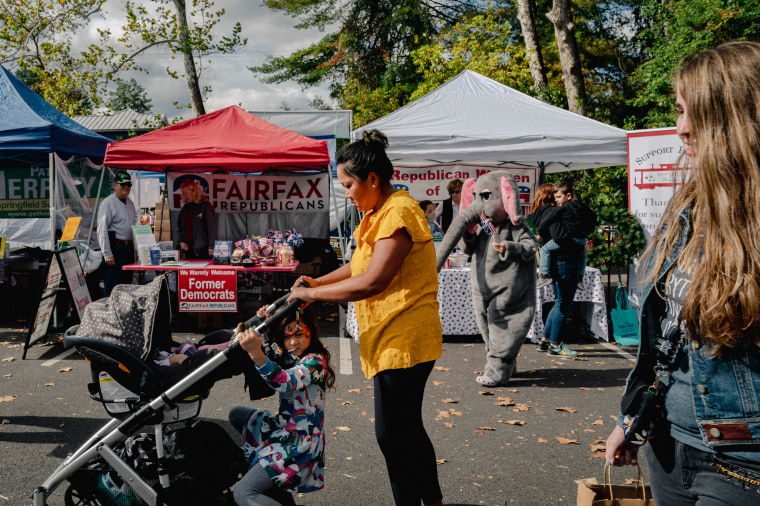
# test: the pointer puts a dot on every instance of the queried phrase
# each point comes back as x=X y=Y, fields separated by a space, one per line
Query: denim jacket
x=726 y=390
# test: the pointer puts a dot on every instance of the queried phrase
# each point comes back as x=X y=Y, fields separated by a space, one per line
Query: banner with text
x=652 y=181
x=256 y=194
x=429 y=183
x=207 y=289
x=25 y=191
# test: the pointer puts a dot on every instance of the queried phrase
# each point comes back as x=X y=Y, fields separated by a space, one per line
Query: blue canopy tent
x=31 y=130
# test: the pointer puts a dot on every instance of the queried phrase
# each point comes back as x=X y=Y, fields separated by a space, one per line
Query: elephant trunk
x=455 y=232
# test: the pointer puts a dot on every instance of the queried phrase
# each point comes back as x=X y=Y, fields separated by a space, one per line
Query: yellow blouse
x=399 y=327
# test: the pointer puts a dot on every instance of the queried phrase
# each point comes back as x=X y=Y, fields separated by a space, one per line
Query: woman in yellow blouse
x=393 y=281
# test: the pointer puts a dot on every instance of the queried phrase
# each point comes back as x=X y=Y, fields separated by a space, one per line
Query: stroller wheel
x=78 y=497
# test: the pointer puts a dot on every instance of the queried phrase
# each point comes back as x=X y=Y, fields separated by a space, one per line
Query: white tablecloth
x=458 y=316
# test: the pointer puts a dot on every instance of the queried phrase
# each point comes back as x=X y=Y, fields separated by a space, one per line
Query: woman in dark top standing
x=196 y=224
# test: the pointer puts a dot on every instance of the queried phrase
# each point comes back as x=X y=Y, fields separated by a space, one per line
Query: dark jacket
x=447 y=215
x=725 y=390
x=204 y=226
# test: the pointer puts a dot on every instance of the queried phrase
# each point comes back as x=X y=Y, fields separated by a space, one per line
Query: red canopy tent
x=230 y=139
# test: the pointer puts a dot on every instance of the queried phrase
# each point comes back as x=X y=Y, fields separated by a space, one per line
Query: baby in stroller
x=286 y=450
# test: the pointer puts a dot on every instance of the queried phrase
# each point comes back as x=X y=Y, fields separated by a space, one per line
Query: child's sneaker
x=542 y=281
x=562 y=350
x=543 y=345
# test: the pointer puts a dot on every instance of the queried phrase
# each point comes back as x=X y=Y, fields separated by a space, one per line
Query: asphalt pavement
x=523 y=444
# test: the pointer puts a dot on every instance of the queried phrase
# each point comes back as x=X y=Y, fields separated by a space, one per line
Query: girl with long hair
x=286 y=450
x=700 y=318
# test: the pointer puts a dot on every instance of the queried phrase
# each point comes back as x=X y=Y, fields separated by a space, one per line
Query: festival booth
x=32 y=133
x=259 y=177
x=471 y=125
x=46 y=177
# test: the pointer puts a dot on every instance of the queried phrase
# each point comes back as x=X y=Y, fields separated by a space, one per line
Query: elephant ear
x=510 y=199
x=468 y=194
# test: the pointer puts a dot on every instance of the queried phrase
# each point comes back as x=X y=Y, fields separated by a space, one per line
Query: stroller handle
x=261 y=327
x=256 y=320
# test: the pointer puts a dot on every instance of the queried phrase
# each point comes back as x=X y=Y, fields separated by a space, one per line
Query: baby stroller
x=138 y=457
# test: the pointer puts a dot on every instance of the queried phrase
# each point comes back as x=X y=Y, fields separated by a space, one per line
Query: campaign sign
x=207 y=289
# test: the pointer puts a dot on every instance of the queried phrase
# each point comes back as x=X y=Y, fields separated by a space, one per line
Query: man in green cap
x=116 y=216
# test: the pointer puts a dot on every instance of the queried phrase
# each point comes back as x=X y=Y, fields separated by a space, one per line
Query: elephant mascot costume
x=503 y=251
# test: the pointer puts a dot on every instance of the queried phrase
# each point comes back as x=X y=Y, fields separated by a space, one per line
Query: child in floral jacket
x=285 y=450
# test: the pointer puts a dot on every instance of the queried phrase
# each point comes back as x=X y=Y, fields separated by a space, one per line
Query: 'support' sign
x=207 y=289
x=257 y=194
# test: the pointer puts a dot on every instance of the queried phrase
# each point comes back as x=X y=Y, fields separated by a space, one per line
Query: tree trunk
x=572 y=74
x=191 y=74
x=525 y=14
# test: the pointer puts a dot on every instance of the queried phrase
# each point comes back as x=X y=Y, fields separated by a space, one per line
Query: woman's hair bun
x=375 y=136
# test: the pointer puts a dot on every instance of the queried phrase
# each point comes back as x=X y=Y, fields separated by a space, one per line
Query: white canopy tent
x=474 y=119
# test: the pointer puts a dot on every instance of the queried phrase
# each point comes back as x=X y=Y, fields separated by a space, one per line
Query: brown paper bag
x=591 y=493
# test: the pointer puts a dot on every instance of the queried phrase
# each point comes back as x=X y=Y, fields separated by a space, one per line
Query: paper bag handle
x=608 y=481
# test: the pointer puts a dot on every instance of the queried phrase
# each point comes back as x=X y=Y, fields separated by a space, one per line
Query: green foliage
x=129 y=95
x=619 y=241
x=35 y=39
x=676 y=31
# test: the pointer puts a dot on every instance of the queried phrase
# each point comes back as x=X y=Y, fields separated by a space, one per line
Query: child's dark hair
x=367 y=155
x=424 y=204
x=306 y=317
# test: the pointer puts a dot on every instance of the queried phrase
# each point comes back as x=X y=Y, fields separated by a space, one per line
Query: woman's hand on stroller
x=302 y=290
x=251 y=342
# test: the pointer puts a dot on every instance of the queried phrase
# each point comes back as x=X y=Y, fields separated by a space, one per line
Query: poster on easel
x=63 y=269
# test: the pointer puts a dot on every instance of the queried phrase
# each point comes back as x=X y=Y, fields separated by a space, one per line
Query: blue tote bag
x=625 y=321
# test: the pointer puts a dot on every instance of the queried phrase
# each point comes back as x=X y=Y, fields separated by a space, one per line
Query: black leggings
x=409 y=454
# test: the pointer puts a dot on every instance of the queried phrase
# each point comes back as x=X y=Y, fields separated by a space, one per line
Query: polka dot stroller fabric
x=135 y=317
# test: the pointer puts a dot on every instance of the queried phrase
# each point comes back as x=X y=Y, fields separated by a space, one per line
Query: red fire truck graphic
x=660 y=177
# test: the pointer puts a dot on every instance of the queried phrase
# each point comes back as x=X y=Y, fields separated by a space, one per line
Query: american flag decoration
x=486 y=224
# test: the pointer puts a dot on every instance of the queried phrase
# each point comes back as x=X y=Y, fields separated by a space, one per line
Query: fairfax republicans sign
x=235 y=194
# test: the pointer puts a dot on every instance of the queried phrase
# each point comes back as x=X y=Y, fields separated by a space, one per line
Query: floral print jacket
x=290 y=445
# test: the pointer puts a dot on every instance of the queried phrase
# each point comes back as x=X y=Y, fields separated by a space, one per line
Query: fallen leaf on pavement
x=597 y=447
x=521 y=407
x=441 y=461
x=443 y=414
x=347 y=403
x=598 y=422
x=8 y=359
x=485 y=393
x=449 y=425
x=450 y=401
x=442 y=368
x=5 y=421
x=9 y=398
x=505 y=401
x=513 y=422
x=355 y=390
x=513 y=390
x=480 y=432
x=66 y=369
x=342 y=428
x=436 y=383
x=542 y=440
x=49 y=384
x=486 y=428
x=566 y=441
x=569 y=410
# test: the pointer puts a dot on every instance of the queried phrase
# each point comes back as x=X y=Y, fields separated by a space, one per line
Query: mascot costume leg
x=503 y=250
